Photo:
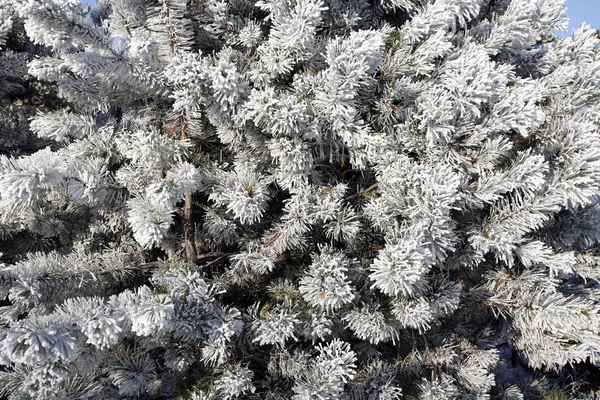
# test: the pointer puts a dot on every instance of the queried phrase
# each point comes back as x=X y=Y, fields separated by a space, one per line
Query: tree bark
x=188 y=230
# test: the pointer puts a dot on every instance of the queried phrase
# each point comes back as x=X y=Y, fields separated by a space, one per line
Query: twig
x=213 y=261
x=364 y=192
x=188 y=230
x=204 y=256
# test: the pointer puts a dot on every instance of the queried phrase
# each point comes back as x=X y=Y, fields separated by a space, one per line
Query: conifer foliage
x=298 y=199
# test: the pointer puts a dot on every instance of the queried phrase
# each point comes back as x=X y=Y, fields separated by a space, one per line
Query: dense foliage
x=298 y=199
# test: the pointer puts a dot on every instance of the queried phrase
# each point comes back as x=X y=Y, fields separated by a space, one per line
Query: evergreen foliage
x=298 y=199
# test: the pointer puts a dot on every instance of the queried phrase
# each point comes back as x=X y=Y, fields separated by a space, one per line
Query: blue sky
x=580 y=11
x=577 y=10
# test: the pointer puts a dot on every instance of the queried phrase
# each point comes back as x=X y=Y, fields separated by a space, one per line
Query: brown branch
x=499 y=305
x=215 y=256
x=188 y=230
x=364 y=192
x=205 y=256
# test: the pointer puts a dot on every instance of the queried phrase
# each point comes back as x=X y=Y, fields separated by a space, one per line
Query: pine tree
x=298 y=199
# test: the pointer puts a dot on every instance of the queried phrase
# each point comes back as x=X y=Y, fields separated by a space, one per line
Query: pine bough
x=298 y=199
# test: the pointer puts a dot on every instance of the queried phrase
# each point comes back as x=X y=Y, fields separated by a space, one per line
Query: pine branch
x=188 y=230
x=364 y=192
